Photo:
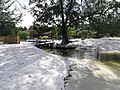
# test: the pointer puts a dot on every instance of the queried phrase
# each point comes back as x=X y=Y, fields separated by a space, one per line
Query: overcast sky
x=27 y=18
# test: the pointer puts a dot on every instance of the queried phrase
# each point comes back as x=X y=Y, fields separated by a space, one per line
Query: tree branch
x=62 y=12
x=68 y=12
x=55 y=22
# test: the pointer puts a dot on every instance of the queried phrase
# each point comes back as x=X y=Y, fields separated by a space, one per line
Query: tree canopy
x=62 y=13
x=100 y=15
x=8 y=19
x=103 y=15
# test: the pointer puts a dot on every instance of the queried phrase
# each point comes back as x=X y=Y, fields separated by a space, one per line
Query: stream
x=84 y=74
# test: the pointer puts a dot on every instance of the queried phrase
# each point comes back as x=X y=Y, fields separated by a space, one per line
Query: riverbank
x=91 y=75
x=25 y=67
x=112 y=65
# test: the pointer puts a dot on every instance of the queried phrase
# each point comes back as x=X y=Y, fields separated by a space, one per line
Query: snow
x=105 y=44
x=25 y=67
x=105 y=73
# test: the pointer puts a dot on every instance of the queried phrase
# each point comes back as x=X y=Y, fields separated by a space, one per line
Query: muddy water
x=83 y=74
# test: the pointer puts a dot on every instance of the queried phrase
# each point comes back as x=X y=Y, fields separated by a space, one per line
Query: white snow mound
x=25 y=67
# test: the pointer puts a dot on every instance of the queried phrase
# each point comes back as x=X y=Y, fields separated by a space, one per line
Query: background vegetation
x=65 y=18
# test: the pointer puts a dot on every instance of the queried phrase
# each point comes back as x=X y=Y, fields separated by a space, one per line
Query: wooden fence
x=10 y=39
x=2 y=38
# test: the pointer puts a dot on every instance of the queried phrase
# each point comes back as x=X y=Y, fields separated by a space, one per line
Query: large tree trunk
x=65 y=39
x=63 y=27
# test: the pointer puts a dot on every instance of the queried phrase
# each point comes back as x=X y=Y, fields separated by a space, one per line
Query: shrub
x=24 y=35
x=85 y=34
x=71 y=32
x=43 y=37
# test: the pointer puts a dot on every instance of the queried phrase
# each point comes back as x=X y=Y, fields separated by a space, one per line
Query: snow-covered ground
x=106 y=44
x=89 y=75
x=25 y=67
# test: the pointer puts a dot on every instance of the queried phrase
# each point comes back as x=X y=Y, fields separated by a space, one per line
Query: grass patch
x=111 y=59
x=113 y=65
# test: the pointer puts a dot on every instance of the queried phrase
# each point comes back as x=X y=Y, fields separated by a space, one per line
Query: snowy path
x=25 y=67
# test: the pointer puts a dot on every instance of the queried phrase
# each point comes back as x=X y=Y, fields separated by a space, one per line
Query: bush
x=55 y=32
x=24 y=35
x=43 y=37
x=71 y=32
x=85 y=34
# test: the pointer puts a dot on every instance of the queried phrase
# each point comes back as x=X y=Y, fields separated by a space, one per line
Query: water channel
x=83 y=74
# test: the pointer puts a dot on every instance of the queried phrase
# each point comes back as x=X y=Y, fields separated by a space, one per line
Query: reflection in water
x=85 y=54
x=108 y=56
x=79 y=54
